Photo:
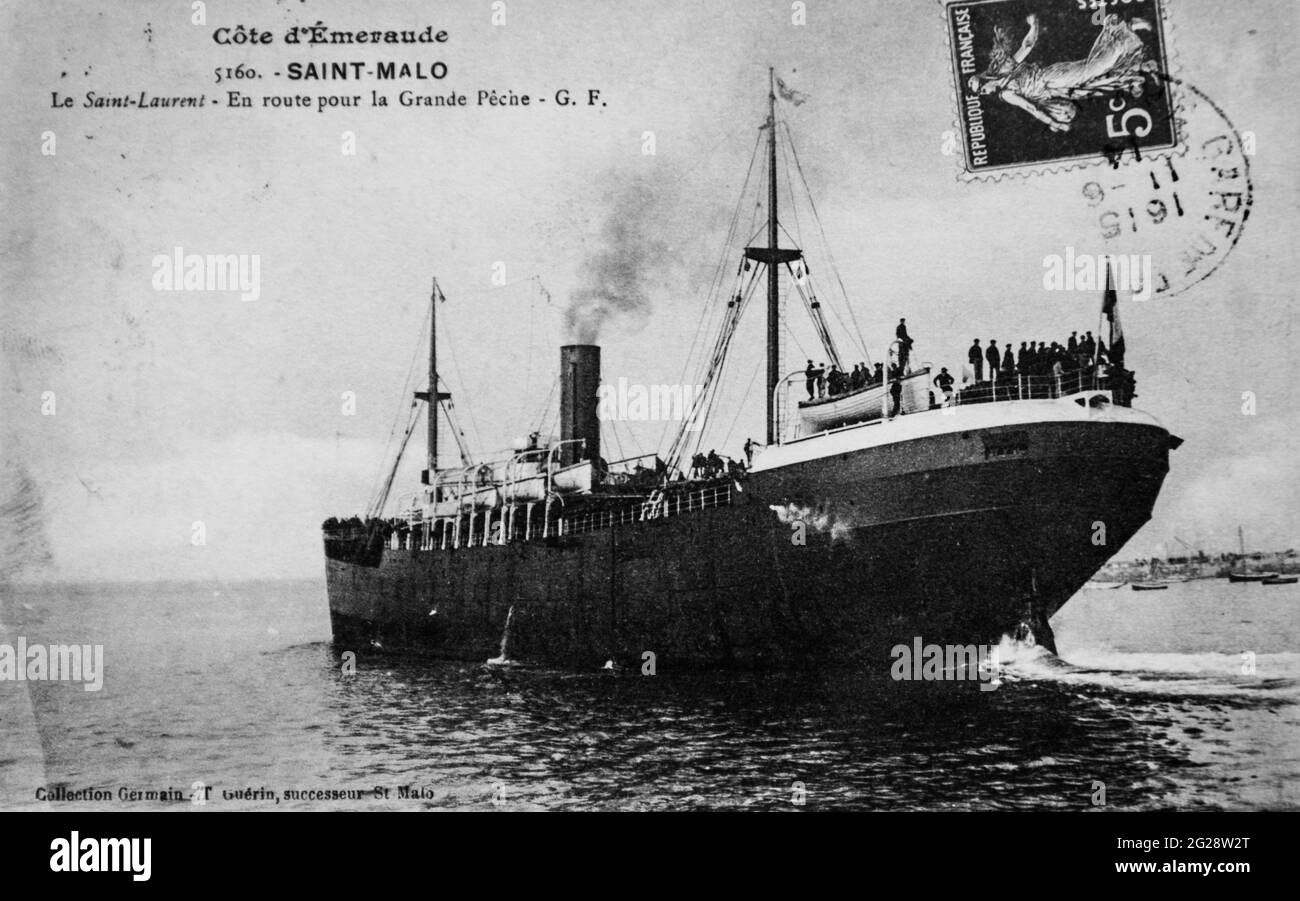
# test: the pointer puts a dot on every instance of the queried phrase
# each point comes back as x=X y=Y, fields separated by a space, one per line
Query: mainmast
x=772 y=256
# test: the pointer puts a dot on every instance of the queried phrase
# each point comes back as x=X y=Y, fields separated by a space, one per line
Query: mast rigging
x=771 y=256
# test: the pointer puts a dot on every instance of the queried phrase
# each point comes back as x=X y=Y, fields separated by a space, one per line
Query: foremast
x=433 y=397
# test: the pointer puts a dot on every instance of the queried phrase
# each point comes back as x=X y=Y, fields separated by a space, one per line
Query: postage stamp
x=1041 y=83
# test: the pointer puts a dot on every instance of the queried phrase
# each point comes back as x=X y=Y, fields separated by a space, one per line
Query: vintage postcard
x=681 y=406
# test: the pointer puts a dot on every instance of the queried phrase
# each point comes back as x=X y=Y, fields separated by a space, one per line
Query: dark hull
x=955 y=538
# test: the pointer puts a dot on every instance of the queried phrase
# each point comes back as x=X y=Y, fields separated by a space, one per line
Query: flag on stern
x=1110 y=309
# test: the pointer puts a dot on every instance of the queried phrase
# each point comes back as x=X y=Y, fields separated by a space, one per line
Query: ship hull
x=958 y=537
x=1250 y=577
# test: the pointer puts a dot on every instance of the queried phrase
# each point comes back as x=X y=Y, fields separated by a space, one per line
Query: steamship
x=883 y=512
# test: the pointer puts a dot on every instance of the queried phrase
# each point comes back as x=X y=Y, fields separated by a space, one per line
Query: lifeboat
x=864 y=404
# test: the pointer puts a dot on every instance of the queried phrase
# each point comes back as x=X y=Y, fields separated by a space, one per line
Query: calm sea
x=237 y=687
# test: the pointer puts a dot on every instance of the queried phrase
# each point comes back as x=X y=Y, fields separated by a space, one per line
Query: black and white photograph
x=734 y=406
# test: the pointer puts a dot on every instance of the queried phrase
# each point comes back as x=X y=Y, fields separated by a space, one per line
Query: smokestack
x=579 y=380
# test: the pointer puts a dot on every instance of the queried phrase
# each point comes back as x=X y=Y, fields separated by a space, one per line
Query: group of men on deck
x=822 y=382
x=1038 y=358
x=712 y=466
x=1034 y=358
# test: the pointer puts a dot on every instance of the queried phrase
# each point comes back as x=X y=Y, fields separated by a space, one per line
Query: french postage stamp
x=1046 y=83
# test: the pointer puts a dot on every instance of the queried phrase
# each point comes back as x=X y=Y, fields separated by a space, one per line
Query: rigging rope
x=457 y=432
x=819 y=322
x=741 y=406
x=377 y=506
x=613 y=431
x=702 y=406
x=397 y=417
x=715 y=283
x=812 y=204
x=451 y=346
x=727 y=317
x=544 y=415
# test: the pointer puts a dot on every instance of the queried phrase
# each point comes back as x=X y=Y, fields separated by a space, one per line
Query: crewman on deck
x=878 y=377
x=1008 y=361
x=904 y=344
x=714 y=463
x=945 y=380
x=821 y=380
x=835 y=381
x=698 y=463
x=810 y=380
x=994 y=358
x=976 y=357
x=896 y=392
x=1072 y=346
x=749 y=451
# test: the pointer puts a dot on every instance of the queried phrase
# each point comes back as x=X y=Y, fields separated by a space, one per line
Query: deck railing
x=1042 y=387
x=672 y=504
x=485 y=528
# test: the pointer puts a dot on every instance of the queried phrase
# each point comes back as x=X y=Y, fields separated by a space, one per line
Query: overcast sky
x=176 y=407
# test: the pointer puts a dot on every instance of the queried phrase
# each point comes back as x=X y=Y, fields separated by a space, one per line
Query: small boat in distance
x=1280 y=580
x=1251 y=577
x=1243 y=575
x=1148 y=586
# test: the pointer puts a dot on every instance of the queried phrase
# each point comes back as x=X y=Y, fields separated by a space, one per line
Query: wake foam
x=1186 y=674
